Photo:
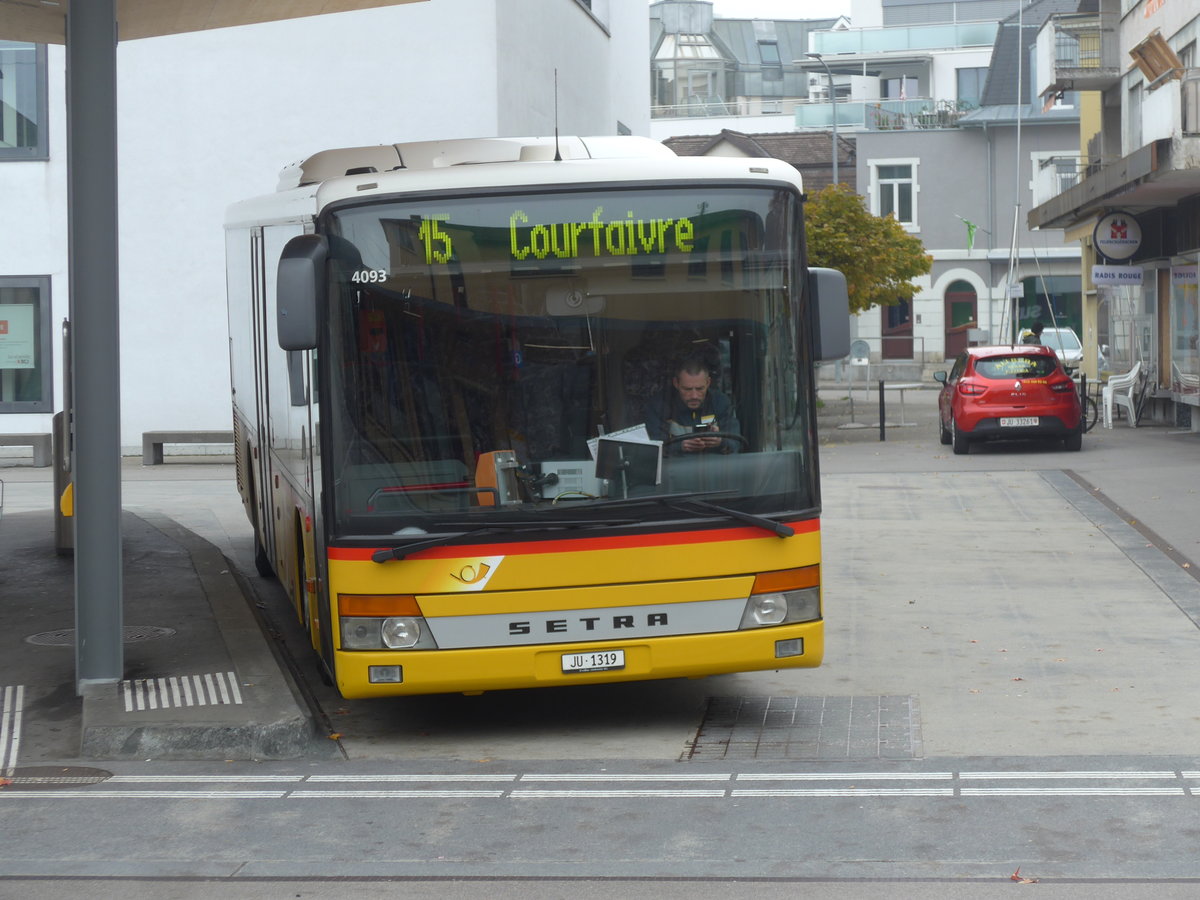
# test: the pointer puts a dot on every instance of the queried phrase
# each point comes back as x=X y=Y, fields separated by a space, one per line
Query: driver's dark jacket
x=670 y=416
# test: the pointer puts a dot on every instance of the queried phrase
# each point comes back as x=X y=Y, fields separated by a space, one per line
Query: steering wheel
x=675 y=439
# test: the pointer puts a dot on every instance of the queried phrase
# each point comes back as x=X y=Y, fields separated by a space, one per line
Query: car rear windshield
x=1016 y=366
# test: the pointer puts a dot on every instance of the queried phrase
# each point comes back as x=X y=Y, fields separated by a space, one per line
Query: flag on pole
x=971 y=226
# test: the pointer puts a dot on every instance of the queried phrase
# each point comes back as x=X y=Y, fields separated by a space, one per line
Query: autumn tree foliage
x=878 y=257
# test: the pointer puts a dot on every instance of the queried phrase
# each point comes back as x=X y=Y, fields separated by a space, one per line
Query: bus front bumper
x=542 y=665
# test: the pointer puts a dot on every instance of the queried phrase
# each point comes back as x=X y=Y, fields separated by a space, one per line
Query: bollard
x=882 y=409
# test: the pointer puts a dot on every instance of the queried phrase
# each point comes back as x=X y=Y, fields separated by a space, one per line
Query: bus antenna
x=557 y=155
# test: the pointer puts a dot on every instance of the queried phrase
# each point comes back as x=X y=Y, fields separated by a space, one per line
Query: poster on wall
x=16 y=336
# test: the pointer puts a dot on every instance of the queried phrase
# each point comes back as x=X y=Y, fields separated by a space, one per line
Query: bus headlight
x=783 y=597
x=383 y=622
x=400 y=632
x=781 y=608
x=390 y=633
x=361 y=634
x=765 y=609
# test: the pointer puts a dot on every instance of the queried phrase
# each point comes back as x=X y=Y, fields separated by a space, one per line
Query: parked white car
x=1065 y=343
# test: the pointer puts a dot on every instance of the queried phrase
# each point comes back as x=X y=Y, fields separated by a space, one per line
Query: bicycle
x=1089 y=406
x=1091 y=411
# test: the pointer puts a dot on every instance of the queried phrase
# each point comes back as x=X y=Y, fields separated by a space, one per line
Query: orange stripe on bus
x=808 y=526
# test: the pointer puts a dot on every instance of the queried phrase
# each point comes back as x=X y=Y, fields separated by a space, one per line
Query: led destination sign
x=594 y=238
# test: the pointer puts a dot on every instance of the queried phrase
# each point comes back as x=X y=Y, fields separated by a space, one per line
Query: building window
x=970 y=86
x=772 y=65
x=894 y=190
x=902 y=88
x=22 y=101
x=25 y=355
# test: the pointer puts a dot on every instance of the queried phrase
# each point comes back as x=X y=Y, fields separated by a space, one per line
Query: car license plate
x=1019 y=422
x=593 y=661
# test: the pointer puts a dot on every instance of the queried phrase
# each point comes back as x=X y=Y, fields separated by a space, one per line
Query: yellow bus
x=458 y=371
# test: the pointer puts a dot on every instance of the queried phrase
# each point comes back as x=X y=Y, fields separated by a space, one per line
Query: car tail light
x=1062 y=387
x=971 y=390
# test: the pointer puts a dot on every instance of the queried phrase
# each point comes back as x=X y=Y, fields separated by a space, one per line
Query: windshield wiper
x=776 y=528
x=499 y=527
x=674 y=501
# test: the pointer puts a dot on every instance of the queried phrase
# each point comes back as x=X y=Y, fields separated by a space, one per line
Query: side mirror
x=939 y=377
x=300 y=290
x=829 y=314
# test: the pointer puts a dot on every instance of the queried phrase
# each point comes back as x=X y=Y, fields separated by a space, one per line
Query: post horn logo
x=473 y=576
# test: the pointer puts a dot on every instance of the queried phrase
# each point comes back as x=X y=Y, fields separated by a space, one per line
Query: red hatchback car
x=1008 y=393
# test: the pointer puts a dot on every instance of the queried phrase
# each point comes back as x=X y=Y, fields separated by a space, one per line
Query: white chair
x=1120 y=391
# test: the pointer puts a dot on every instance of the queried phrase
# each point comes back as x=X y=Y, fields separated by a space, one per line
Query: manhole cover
x=130 y=634
x=44 y=777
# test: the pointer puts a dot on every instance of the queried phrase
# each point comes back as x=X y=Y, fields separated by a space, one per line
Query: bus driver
x=693 y=407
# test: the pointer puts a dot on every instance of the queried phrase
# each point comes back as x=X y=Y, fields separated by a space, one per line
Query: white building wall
x=661 y=129
x=943 y=73
x=601 y=81
x=210 y=118
x=33 y=231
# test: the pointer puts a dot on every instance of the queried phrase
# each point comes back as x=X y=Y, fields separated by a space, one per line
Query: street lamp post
x=833 y=101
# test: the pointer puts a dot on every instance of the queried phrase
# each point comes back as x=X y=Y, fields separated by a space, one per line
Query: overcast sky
x=780 y=9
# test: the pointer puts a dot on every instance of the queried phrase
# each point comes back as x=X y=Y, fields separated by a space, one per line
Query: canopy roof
x=44 y=21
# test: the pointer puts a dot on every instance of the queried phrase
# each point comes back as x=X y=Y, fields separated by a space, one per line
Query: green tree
x=878 y=257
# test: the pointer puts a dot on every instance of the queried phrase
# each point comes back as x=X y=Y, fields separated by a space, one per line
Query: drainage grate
x=130 y=634
x=869 y=727
x=41 y=777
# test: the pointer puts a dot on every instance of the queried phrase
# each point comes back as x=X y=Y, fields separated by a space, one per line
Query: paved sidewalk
x=1149 y=475
x=201 y=679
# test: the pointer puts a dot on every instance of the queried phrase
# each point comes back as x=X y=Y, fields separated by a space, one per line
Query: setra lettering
x=588 y=623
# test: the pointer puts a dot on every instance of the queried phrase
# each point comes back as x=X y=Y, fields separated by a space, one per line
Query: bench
x=152 y=442
x=42 y=444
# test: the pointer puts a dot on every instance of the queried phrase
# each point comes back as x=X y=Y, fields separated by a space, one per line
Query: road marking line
x=846 y=792
x=618 y=777
x=846 y=776
x=1073 y=792
x=392 y=778
x=395 y=795
x=10 y=727
x=616 y=793
x=203 y=779
x=1065 y=775
x=43 y=794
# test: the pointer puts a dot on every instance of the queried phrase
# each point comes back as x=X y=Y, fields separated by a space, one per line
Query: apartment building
x=937 y=113
x=1134 y=206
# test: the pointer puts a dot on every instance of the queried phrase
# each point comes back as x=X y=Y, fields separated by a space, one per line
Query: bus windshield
x=515 y=359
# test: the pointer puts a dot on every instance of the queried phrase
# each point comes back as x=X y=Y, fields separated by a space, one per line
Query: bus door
x=260 y=462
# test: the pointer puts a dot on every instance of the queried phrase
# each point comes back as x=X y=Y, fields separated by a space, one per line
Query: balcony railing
x=695 y=108
x=882 y=115
x=906 y=39
x=1078 y=53
x=1056 y=174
